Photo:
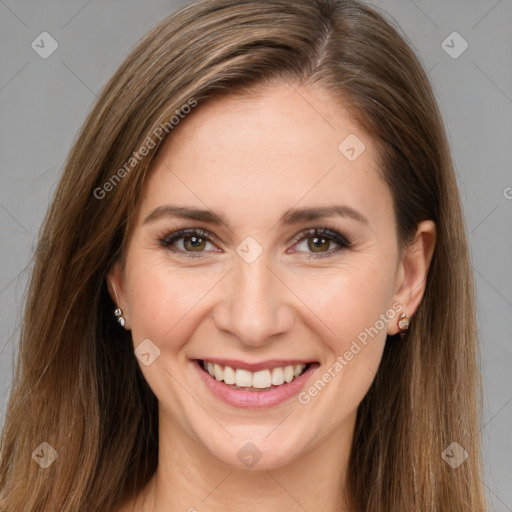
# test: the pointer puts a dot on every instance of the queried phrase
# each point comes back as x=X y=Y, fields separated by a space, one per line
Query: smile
x=238 y=378
x=257 y=385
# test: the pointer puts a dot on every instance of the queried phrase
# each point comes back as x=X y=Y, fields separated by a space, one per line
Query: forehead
x=267 y=152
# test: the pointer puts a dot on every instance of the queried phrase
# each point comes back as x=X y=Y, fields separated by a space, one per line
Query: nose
x=255 y=304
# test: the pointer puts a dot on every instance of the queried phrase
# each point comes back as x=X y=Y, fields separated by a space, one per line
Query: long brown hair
x=77 y=386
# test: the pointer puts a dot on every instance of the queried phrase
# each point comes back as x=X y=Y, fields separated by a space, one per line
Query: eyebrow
x=291 y=216
x=184 y=212
x=294 y=216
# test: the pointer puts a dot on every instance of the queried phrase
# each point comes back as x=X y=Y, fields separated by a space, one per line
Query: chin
x=257 y=451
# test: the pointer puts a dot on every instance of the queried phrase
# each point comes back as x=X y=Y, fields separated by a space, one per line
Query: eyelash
x=327 y=233
x=331 y=235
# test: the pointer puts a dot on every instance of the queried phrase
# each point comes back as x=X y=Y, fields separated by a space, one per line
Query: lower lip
x=254 y=399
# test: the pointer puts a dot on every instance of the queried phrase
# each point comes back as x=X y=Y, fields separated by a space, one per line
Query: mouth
x=254 y=386
x=260 y=381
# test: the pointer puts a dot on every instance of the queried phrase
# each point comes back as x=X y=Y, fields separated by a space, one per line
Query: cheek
x=355 y=307
x=164 y=301
x=348 y=302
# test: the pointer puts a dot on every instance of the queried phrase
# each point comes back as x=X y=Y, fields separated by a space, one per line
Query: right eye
x=188 y=242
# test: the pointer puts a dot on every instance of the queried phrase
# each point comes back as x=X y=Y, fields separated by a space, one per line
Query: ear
x=117 y=291
x=412 y=271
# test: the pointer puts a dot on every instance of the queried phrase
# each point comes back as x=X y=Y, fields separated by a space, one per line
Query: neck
x=190 y=479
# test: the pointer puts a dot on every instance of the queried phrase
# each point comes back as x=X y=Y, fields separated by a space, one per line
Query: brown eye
x=321 y=243
x=194 y=243
x=188 y=242
x=318 y=244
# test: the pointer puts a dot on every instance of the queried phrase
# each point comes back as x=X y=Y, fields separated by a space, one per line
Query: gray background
x=44 y=101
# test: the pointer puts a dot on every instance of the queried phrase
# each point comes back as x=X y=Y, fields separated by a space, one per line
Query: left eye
x=323 y=242
x=316 y=243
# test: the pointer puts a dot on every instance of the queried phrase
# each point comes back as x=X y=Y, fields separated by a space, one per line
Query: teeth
x=263 y=379
x=217 y=372
x=243 y=378
x=229 y=375
x=277 y=376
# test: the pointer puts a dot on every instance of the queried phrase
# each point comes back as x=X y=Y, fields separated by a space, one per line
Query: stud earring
x=119 y=315
x=403 y=323
x=118 y=312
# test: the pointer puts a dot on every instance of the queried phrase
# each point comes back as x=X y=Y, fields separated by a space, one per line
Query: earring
x=119 y=315
x=403 y=323
x=118 y=312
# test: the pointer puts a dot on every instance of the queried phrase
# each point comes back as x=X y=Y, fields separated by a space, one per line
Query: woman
x=252 y=289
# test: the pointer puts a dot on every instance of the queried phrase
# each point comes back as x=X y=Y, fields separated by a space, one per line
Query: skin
x=252 y=158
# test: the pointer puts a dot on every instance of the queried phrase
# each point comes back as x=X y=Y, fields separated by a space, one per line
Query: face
x=265 y=251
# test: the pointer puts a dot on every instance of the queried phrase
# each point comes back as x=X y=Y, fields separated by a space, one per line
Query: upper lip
x=254 y=367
